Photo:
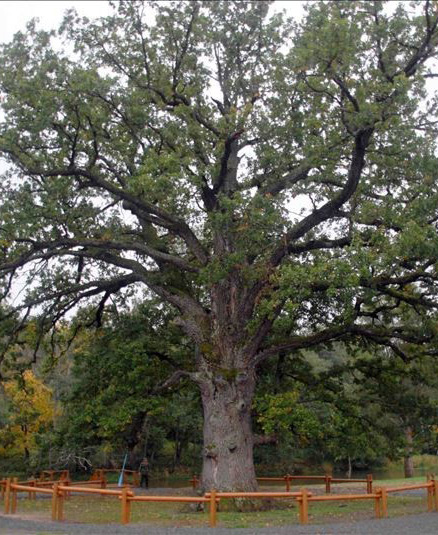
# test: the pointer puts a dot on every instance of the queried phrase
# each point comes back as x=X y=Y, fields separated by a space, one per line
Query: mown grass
x=398 y=482
x=100 y=510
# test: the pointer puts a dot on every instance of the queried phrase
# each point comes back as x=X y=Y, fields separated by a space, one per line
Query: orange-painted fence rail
x=289 y=479
x=215 y=496
x=59 y=493
x=53 y=475
x=127 y=500
x=35 y=485
x=131 y=477
x=304 y=498
x=432 y=492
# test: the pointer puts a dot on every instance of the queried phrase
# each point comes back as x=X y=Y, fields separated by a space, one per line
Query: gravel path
x=422 y=524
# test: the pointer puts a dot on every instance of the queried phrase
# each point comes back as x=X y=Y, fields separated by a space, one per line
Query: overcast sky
x=14 y=15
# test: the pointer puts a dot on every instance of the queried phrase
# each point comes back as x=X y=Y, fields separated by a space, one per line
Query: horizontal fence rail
x=432 y=493
x=212 y=500
x=128 y=476
x=213 y=495
x=289 y=479
x=327 y=479
x=50 y=474
x=61 y=490
x=305 y=499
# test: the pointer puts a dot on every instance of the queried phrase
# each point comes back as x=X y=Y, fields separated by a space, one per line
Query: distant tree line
x=340 y=407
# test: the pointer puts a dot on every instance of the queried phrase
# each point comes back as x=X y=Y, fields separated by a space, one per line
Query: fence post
x=304 y=507
x=213 y=508
x=430 y=493
x=126 y=506
x=384 y=502
x=8 y=495
x=103 y=481
x=435 y=493
x=287 y=478
x=369 y=483
x=378 y=503
x=61 y=496
x=67 y=493
x=54 y=501
x=328 y=481
x=14 y=497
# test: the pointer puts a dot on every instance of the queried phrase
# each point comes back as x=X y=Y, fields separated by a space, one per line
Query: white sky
x=14 y=15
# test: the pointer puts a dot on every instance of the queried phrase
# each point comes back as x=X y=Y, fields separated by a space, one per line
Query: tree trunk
x=350 y=468
x=228 y=441
x=177 y=451
x=409 y=449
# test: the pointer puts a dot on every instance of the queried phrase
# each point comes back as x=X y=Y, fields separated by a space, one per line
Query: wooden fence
x=60 y=491
x=52 y=475
x=44 y=483
x=289 y=479
x=129 y=477
x=432 y=493
x=215 y=497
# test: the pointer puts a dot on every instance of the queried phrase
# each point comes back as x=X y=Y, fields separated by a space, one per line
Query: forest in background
x=89 y=400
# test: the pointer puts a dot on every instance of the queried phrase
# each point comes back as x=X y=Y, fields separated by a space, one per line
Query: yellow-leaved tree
x=29 y=411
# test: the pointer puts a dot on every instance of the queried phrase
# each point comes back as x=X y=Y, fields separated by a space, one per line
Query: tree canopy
x=273 y=181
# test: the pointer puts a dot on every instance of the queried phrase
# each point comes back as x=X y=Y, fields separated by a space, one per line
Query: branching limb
x=178 y=376
x=330 y=208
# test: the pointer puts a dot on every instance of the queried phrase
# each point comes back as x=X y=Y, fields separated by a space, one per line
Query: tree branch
x=330 y=208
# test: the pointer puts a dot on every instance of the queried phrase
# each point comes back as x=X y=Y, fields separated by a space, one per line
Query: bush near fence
x=60 y=491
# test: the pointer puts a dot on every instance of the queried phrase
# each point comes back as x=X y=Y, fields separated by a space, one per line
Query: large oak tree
x=274 y=182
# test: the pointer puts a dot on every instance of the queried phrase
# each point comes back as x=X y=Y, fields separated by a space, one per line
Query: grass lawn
x=95 y=509
x=398 y=482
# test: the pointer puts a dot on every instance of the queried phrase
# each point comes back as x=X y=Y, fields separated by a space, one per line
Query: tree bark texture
x=228 y=440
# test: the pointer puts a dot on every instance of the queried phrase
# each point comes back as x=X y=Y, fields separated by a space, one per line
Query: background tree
x=273 y=182
x=321 y=416
x=111 y=403
x=407 y=396
x=28 y=411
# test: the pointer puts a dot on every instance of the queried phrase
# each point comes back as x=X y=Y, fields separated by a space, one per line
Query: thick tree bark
x=228 y=440
x=409 y=449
